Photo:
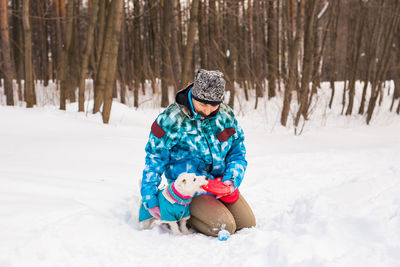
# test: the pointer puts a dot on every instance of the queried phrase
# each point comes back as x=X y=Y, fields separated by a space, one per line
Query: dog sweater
x=170 y=212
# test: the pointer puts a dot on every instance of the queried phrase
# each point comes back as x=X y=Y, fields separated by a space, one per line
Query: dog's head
x=188 y=183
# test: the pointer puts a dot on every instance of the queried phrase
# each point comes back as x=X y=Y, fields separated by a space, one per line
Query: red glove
x=231 y=187
x=155 y=212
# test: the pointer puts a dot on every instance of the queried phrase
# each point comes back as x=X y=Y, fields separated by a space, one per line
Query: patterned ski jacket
x=182 y=141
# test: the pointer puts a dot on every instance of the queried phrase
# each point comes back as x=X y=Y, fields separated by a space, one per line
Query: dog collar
x=177 y=197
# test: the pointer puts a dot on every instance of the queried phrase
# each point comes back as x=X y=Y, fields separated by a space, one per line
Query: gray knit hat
x=208 y=87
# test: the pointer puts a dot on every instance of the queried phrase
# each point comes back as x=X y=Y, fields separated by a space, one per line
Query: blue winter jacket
x=182 y=141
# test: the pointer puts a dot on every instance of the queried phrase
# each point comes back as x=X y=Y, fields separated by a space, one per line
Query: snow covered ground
x=329 y=197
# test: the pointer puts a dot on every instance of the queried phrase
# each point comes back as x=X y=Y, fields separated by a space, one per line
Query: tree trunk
x=123 y=58
x=203 y=42
x=59 y=31
x=319 y=49
x=332 y=54
x=155 y=53
x=64 y=58
x=246 y=49
x=131 y=75
x=398 y=108
x=212 y=34
x=101 y=28
x=358 y=35
x=281 y=44
x=165 y=55
x=176 y=60
x=190 y=43
x=17 y=33
x=258 y=55
x=231 y=62
x=371 y=55
x=74 y=55
x=87 y=53
x=148 y=54
x=383 y=62
x=8 y=66
x=29 y=97
x=155 y=36
x=272 y=50
x=307 y=62
x=180 y=29
x=42 y=7
x=396 y=75
x=106 y=77
x=137 y=56
x=106 y=69
x=294 y=46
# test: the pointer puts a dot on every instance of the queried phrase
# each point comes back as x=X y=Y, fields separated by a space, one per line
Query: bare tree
x=203 y=40
x=59 y=34
x=188 y=56
x=258 y=47
x=101 y=28
x=176 y=61
x=137 y=55
x=272 y=44
x=371 y=50
x=212 y=28
x=29 y=97
x=165 y=54
x=87 y=53
x=385 y=56
x=307 y=61
x=357 y=36
x=294 y=39
x=111 y=41
x=63 y=70
x=105 y=79
x=332 y=54
x=232 y=30
x=8 y=66
x=396 y=71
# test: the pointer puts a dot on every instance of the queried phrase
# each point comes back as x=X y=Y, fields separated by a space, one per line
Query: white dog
x=174 y=201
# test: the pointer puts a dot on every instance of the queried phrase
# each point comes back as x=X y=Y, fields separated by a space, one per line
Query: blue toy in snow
x=223 y=234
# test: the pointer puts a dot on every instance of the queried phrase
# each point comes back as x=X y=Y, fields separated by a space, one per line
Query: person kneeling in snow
x=199 y=134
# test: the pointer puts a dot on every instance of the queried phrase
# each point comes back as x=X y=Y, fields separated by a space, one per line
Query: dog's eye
x=194 y=180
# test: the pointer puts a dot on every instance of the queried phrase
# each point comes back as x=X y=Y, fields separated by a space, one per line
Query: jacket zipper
x=209 y=148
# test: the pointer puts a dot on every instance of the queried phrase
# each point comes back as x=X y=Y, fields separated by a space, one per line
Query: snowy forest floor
x=329 y=197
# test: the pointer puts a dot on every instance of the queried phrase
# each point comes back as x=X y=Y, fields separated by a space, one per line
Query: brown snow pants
x=209 y=214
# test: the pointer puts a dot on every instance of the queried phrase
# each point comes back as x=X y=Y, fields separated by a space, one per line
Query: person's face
x=204 y=109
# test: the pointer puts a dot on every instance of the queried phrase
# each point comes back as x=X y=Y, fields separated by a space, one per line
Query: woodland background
x=326 y=196
x=275 y=48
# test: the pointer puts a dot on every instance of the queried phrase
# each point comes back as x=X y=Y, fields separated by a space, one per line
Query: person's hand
x=231 y=187
x=230 y=184
x=155 y=212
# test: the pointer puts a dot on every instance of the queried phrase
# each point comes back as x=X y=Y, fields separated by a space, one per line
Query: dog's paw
x=147 y=224
x=187 y=231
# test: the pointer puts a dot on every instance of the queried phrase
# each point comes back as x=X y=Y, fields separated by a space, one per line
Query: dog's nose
x=206 y=178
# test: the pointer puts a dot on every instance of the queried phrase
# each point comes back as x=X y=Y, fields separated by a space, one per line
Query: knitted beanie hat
x=208 y=87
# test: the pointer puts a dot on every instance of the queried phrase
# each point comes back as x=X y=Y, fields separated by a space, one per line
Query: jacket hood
x=182 y=98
